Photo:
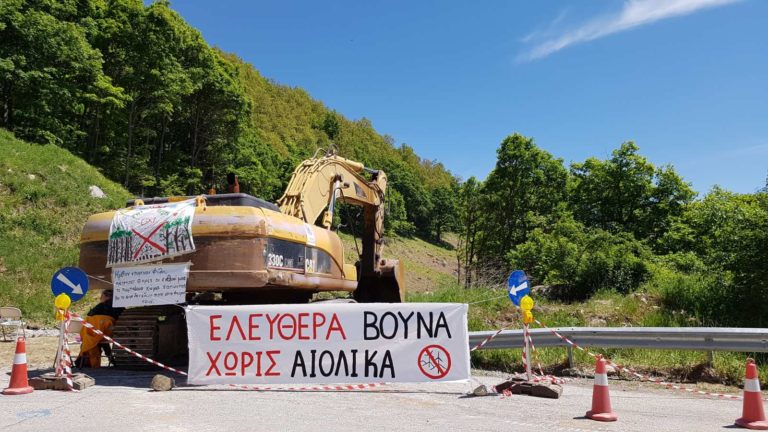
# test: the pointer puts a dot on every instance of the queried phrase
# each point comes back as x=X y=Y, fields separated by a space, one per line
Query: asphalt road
x=122 y=401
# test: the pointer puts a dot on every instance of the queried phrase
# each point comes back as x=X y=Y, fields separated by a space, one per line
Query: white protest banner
x=328 y=343
x=148 y=233
x=149 y=285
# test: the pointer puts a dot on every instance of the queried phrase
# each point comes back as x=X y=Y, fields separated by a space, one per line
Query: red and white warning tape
x=533 y=348
x=244 y=387
x=344 y=387
x=65 y=361
x=542 y=377
x=525 y=336
x=486 y=340
x=536 y=378
x=639 y=375
x=123 y=347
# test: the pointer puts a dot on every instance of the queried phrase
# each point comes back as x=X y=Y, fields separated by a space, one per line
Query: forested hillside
x=138 y=93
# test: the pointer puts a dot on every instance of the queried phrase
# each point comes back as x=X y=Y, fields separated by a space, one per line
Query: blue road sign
x=71 y=281
x=518 y=286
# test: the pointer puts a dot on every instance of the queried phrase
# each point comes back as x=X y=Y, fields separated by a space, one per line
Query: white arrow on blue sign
x=518 y=286
x=70 y=281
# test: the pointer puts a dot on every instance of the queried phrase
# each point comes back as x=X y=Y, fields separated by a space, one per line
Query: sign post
x=526 y=304
x=518 y=286
x=519 y=290
x=67 y=285
x=527 y=349
x=70 y=281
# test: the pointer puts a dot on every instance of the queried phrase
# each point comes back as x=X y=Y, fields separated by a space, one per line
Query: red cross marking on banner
x=442 y=371
x=435 y=362
x=148 y=240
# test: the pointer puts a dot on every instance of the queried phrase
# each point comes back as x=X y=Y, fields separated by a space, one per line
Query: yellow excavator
x=250 y=251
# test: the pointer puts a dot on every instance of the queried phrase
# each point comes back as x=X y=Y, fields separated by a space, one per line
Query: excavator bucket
x=386 y=286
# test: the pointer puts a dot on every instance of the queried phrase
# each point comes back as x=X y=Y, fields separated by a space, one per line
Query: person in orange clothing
x=102 y=317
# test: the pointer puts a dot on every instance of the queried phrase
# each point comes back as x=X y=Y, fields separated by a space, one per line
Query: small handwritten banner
x=149 y=233
x=149 y=285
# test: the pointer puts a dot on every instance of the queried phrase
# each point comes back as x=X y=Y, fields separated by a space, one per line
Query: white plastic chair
x=10 y=317
x=74 y=331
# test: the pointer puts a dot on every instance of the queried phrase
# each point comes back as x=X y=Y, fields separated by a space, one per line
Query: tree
x=582 y=259
x=216 y=111
x=470 y=217
x=728 y=232
x=444 y=209
x=627 y=193
x=526 y=185
x=332 y=125
x=49 y=72
x=418 y=204
x=396 y=218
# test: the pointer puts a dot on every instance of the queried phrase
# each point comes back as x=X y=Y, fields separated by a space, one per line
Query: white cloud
x=634 y=13
x=550 y=28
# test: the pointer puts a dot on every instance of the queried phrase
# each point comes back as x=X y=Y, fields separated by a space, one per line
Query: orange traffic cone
x=752 y=414
x=601 y=400
x=19 y=384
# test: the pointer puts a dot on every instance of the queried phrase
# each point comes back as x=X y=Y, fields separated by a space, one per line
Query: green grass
x=427 y=266
x=44 y=203
x=490 y=309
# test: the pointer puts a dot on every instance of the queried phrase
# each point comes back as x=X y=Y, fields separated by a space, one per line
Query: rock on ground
x=96 y=192
x=162 y=383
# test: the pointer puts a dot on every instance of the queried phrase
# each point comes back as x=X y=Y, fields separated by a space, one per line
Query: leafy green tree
x=526 y=184
x=49 y=72
x=396 y=218
x=418 y=205
x=148 y=45
x=332 y=125
x=185 y=105
x=582 y=260
x=627 y=193
x=444 y=209
x=470 y=217
x=729 y=233
x=215 y=114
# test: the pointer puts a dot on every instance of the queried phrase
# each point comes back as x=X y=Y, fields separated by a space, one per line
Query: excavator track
x=157 y=332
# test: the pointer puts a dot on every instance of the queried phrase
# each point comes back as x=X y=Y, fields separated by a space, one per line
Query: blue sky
x=687 y=80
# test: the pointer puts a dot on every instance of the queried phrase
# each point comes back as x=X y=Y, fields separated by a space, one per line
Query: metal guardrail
x=674 y=338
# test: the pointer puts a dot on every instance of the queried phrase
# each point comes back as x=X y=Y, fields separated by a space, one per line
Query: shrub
x=584 y=260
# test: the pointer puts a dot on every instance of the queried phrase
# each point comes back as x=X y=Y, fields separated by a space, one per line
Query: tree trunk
x=7 y=114
x=160 y=147
x=96 y=132
x=195 y=137
x=129 y=155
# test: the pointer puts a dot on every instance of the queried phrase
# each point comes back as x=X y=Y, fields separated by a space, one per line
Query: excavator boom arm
x=317 y=184
x=313 y=183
